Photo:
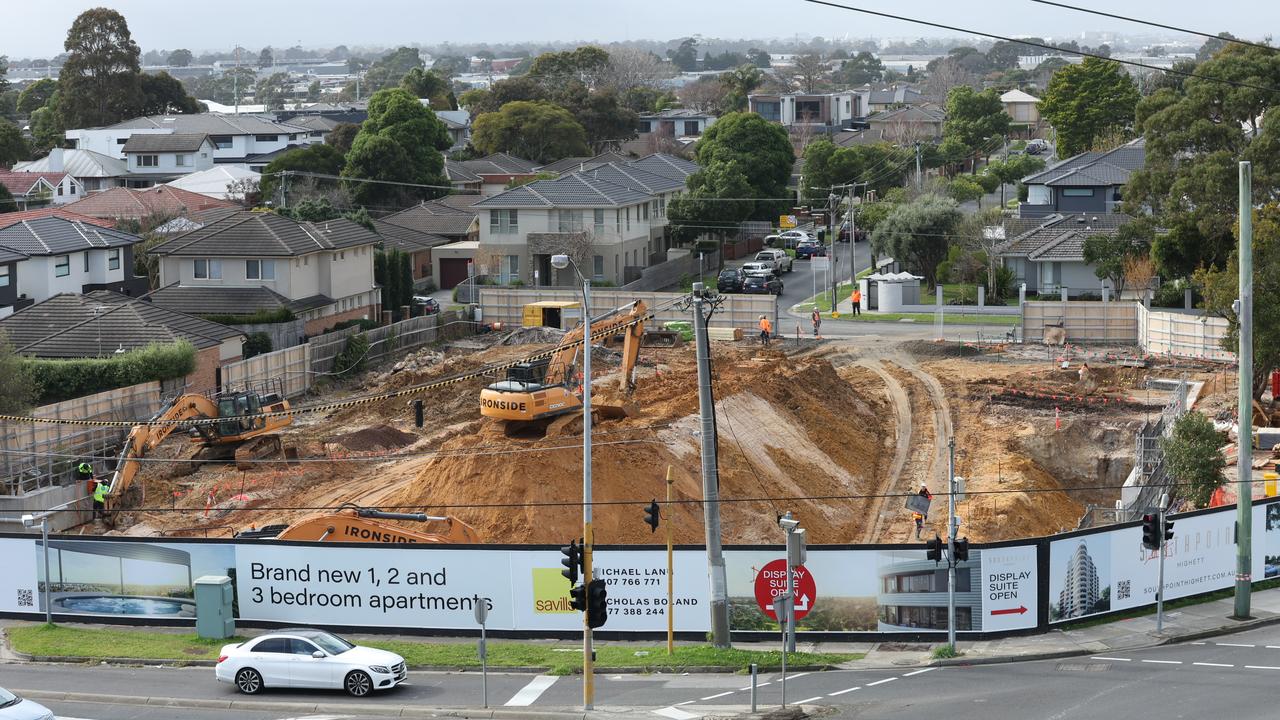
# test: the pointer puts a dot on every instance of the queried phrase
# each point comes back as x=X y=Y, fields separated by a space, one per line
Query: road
x=1229 y=677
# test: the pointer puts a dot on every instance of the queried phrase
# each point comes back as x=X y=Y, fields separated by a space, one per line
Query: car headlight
x=380 y=669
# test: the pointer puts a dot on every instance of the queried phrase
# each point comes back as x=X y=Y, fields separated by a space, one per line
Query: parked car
x=772 y=241
x=781 y=260
x=428 y=305
x=13 y=707
x=794 y=237
x=806 y=251
x=305 y=658
x=758 y=268
x=766 y=284
x=859 y=233
x=1037 y=147
x=730 y=280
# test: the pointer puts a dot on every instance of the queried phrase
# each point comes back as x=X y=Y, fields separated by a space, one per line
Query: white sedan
x=13 y=707
x=302 y=658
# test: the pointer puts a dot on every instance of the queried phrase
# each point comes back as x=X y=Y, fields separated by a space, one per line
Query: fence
x=1158 y=332
x=662 y=275
x=292 y=366
x=743 y=311
x=325 y=348
x=283 y=334
x=1165 y=332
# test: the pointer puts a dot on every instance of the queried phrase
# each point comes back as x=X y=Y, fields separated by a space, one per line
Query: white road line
x=1199 y=643
x=1234 y=645
x=1273 y=647
x=1099 y=657
x=806 y=701
x=847 y=690
x=1261 y=667
x=713 y=697
x=532 y=691
x=1163 y=662
x=1212 y=664
x=881 y=682
x=797 y=675
x=686 y=702
x=917 y=672
x=760 y=685
x=674 y=713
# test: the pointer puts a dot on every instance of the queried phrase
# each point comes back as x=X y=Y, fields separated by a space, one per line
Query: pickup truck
x=779 y=259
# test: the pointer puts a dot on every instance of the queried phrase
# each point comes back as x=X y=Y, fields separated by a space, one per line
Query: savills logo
x=550 y=592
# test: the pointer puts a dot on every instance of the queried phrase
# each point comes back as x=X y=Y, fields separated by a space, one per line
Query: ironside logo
x=503 y=404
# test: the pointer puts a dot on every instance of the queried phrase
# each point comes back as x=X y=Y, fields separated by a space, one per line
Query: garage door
x=452 y=272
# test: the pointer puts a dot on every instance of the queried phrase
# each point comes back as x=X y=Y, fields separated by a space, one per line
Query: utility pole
x=833 y=235
x=919 y=178
x=588 y=654
x=951 y=543
x=671 y=572
x=1244 y=464
x=710 y=472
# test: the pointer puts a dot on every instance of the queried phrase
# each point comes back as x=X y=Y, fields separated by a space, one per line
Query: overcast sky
x=39 y=28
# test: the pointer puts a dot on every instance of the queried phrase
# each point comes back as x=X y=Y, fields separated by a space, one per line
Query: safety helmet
x=84 y=468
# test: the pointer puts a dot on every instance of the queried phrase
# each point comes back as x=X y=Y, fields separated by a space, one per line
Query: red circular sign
x=771 y=582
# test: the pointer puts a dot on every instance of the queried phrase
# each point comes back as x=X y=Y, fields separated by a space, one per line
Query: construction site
x=837 y=431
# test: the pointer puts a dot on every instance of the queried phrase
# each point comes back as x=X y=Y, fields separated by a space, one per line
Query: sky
x=39 y=28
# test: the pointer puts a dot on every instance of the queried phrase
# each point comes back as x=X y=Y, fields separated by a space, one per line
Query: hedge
x=60 y=380
x=352 y=357
x=261 y=317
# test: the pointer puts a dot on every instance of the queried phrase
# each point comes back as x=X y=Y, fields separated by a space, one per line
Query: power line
x=1054 y=48
x=325 y=176
x=1155 y=24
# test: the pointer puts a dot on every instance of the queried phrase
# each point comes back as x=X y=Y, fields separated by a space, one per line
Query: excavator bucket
x=660 y=338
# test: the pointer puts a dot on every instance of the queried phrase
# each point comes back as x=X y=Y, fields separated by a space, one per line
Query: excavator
x=534 y=393
x=244 y=416
x=352 y=523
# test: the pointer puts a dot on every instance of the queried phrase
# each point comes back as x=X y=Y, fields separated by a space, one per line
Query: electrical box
x=214 y=614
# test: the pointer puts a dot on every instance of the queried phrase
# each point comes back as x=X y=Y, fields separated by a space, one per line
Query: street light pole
x=951 y=544
x=1244 y=464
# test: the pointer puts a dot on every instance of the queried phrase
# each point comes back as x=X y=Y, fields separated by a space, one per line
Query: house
x=906 y=125
x=246 y=262
x=666 y=165
x=224 y=182
x=458 y=123
x=40 y=188
x=1091 y=182
x=417 y=245
x=462 y=179
x=576 y=164
x=1023 y=110
x=579 y=214
x=1050 y=256
x=165 y=157
x=317 y=126
x=824 y=111
x=876 y=99
x=102 y=323
x=426 y=228
x=498 y=170
x=44 y=255
x=675 y=122
x=154 y=202
x=235 y=138
x=94 y=171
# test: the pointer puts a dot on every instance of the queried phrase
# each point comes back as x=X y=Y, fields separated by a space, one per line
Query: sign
x=820 y=262
x=771 y=582
x=482 y=610
x=1009 y=588
x=786 y=221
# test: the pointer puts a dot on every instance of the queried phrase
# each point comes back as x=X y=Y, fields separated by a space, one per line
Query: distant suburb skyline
x=38 y=29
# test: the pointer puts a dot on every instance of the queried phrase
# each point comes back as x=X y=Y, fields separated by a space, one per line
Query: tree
x=48 y=129
x=313 y=91
x=538 y=131
x=36 y=95
x=431 y=85
x=267 y=57
x=1086 y=100
x=685 y=56
x=1004 y=55
x=738 y=84
x=400 y=141
x=976 y=119
x=100 y=82
x=13 y=147
x=502 y=92
x=602 y=116
x=272 y=91
x=1109 y=254
x=1212 y=46
x=341 y=136
x=706 y=94
x=389 y=70
x=7 y=203
x=320 y=158
x=826 y=165
x=18 y=387
x=918 y=233
x=860 y=69
x=760 y=148
x=631 y=69
x=714 y=205
x=1193 y=456
x=759 y=58
x=179 y=58
x=964 y=189
x=163 y=94
x=810 y=72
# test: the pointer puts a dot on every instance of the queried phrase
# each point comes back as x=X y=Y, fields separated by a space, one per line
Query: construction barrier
x=1159 y=332
x=506 y=305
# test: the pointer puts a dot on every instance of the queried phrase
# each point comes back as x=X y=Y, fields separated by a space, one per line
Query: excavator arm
x=143 y=439
x=567 y=354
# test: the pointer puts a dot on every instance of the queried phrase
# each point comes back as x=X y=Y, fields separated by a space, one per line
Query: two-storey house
x=34 y=189
x=819 y=111
x=237 y=139
x=92 y=171
x=165 y=157
x=1091 y=182
x=246 y=262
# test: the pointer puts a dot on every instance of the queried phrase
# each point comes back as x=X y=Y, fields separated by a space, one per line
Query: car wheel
x=358 y=683
x=248 y=681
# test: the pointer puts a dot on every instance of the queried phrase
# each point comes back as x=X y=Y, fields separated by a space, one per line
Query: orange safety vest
x=857 y=296
x=765 y=325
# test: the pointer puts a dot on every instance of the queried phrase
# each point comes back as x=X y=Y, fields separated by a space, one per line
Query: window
x=121 y=141
x=4 y=276
x=513 y=267
x=617 y=217
x=691 y=127
x=1077 y=192
x=62 y=266
x=148 y=161
x=645 y=209
x=86 y=261
x=662 y=206
x=597 y=267
x=260 y=269
x=207 y=269
x=59 y=189
x=266 y=138
x=569 y=220
x=504 y=222
x=72 y=188
x=272 y=645
x=183 y=160
x=301 y=647
x=598 y=217
x=113 y=259
x=644 y=126
x=221 y=142
x=628 y=219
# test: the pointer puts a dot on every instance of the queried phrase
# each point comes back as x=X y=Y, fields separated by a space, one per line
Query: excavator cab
x=524 y=377
x=235 y=407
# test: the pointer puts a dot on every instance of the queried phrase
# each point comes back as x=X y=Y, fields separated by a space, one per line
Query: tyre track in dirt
x=902 y=447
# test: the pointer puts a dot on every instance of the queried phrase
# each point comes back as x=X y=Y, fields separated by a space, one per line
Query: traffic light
x=597 y=604
x=1151 y=532
x=962 y=550
x=578 y=597
x=571 y=561
x=1168 y=530
x=652 y=516
x=934 y=552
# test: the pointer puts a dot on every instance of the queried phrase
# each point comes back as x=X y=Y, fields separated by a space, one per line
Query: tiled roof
x=176 y=142
x=636 y=178
x=435 y=217
x=458 y=173
x=21 y=183
x=265 y=234
x=122 y=202
x=70 y=325
x=54 y=235
x=576 y=190
x=315 y=122
x=667 y=166
x=1055 y=226
x=1128 y=157
x=499 y=164
x=1066 y=247
x=925 y=113
x=209 y=124
x=568 y=165
x=674 y=113
x=80 y=164
x=7 y=219
x=210 y=300
x=399 y=237
x=1097 y=174
x=458 y=201
x=267 y=156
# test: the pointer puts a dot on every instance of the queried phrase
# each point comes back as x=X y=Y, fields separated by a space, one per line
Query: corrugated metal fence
x=507 y=305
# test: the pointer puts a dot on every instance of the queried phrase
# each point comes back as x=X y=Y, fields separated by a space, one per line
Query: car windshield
x=728 y=274
x=7 y=698
x=330 y=643
x=755 y=280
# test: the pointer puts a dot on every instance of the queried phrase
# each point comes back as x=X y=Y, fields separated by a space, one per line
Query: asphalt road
x=1230 y=677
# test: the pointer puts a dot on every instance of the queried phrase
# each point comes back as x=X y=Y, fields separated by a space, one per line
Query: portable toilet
x=214 y=612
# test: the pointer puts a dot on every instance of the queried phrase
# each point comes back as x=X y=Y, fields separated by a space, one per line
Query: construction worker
x=924 y=493
x=919 y=523
x=84 y=473
x=857 y=300
x=766 y=330
x=100 y=500
x=817 y=321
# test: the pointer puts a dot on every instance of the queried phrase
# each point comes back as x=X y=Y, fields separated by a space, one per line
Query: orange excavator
x=352 y=523
x=537 y=391
x=246 y=416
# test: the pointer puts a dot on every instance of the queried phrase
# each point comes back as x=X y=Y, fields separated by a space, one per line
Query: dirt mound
x=378 y=437
x=532 y=336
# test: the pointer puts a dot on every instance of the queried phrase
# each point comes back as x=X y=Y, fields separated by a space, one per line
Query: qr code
x=1122 y=590
x=26 y=598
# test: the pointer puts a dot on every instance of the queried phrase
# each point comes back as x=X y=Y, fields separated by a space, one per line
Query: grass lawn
x=967 y=293
x=55 y=640
x=928 y=318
